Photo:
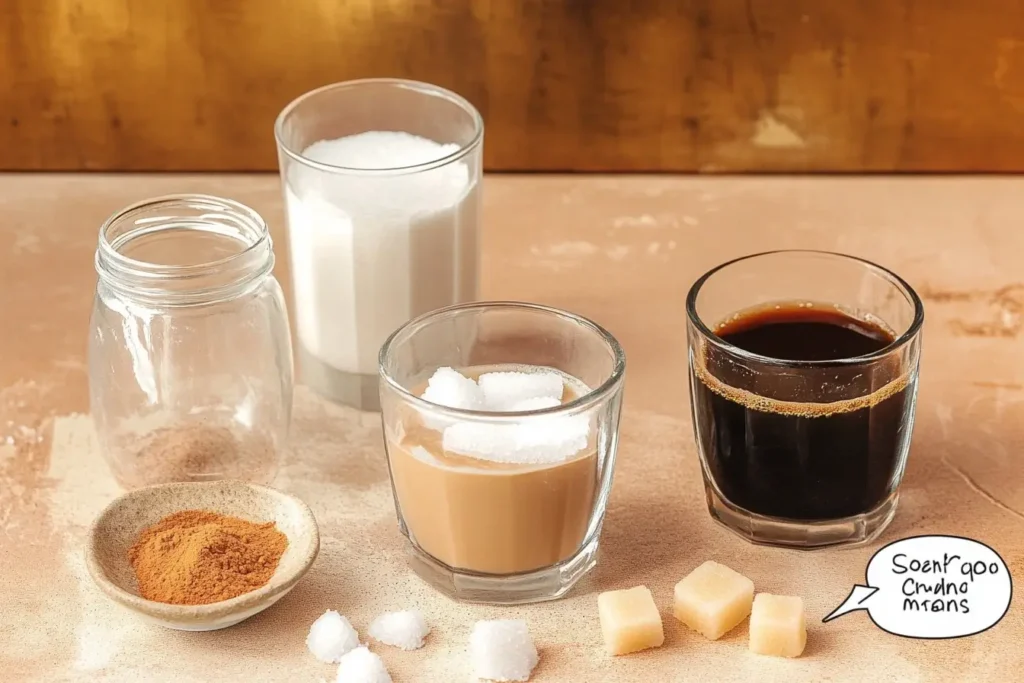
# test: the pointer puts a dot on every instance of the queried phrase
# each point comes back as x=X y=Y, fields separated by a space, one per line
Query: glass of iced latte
x=501 y=424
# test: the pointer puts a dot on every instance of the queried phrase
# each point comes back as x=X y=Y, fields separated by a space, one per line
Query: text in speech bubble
x=933 y=587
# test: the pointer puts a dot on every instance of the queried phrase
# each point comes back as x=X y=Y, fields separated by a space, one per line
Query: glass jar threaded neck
x=187 y=249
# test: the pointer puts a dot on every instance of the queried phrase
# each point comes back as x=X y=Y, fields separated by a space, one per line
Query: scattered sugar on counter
x=330 y=637
x=405 y=630
x=502 y=650
x=362 y=666
x=502 y=390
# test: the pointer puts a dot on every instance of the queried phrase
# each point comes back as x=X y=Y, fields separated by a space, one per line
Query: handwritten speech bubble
x=933 y=587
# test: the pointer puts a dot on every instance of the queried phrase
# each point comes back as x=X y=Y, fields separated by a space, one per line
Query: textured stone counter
x=624 y=252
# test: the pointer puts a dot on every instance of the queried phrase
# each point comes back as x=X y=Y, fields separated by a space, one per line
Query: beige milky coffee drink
x=486 y=516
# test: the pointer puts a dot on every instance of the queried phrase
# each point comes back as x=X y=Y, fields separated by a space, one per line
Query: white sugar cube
x=330 y=637
x=495 y=443
x=532 y=441
x=405 y=630
x=535 y=403
x=449 y=388
x=778 y=626
x=502 y=650
x=551 y=438
x=713 y=599
x=630 y=621
x=502 y=390
x=362 y=666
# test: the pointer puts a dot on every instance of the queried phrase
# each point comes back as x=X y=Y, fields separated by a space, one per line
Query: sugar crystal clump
x=362 y=666
x=405 y=630
x=540 y=439
x=537 y=440
x=449 y=388
x=481 y=440
x=502 y=650
x=330 y=637
x=550 y=438
x=503 y=390
x=535 y=403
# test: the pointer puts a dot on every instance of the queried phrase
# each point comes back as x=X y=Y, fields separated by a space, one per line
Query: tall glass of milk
x=381 y=186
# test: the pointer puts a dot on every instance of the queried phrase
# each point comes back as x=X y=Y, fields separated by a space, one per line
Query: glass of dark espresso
x=803 y=380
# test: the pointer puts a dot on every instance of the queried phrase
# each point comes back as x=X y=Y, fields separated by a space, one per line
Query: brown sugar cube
x=630 y=620
x=713 y=599
x=777 y=625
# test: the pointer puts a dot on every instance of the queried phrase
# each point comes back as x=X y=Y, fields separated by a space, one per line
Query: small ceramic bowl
x=120 y=524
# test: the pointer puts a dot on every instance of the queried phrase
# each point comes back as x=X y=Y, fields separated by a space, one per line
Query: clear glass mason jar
x=190 y=360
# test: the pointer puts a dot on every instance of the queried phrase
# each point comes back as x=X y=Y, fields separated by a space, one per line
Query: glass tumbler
x=512 y=529
x=804 y=447
x=381 y=182
x=190 y=363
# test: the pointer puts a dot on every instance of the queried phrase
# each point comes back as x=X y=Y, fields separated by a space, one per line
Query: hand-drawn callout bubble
x=933 y=587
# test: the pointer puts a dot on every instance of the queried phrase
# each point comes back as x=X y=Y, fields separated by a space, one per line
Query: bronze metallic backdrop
x=598 y=85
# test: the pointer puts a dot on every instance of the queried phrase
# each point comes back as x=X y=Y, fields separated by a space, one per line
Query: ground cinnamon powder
x=194 y=451
x=196 y=557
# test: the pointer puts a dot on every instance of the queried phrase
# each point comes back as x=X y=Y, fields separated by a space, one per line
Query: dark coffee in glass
x=807 y=465
x=803 y=407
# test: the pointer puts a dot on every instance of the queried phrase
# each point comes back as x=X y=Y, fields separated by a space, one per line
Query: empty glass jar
x=190 y=360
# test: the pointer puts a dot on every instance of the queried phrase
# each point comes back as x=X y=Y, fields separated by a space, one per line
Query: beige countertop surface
x=621 y=250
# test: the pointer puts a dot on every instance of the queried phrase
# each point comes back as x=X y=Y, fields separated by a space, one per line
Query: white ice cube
x=502 y=390
x=362 y=666
x=330 y=637
x=405 y=630
x=502 y=650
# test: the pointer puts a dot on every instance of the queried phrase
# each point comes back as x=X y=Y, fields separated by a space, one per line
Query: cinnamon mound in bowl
x=153 y=546
x=196 y=557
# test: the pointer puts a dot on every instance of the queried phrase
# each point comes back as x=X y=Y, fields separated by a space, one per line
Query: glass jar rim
x=401 y=83
x=899 y=283
x=595 y=396
x=254 y=260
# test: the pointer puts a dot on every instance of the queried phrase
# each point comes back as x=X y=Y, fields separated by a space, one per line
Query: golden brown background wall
x=611 y=85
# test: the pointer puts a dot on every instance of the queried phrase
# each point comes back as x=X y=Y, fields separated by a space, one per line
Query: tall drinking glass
x=381 y=181
x=803 y=379
x=494 y=507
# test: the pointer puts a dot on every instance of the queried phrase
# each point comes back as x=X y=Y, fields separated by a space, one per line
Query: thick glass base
x=800 y=534
x=545 y=584
x=348 y=388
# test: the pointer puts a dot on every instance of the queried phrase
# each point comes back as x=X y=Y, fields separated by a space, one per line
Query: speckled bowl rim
x=215 y=610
